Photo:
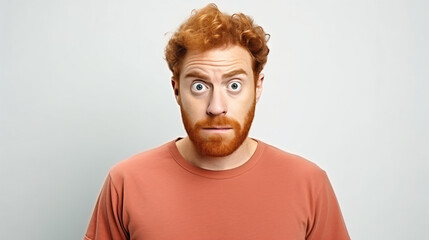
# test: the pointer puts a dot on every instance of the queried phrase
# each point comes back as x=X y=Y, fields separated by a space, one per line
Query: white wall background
x=83 y=85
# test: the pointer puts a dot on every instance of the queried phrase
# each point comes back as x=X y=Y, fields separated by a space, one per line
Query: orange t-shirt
x=158 y=195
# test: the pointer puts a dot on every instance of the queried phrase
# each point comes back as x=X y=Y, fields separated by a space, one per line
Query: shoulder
x=142 y=163
x=291 y=164
x=290 y=170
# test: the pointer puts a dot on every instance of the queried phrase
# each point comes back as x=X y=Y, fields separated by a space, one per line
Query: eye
x=234 y=86
x=199 y=87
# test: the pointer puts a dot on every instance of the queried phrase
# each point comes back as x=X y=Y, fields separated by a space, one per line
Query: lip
x=217 y=129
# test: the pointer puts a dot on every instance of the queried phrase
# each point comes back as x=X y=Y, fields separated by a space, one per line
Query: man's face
x=217 y=97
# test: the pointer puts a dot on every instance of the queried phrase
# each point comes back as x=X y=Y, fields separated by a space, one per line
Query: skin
x=217 y=82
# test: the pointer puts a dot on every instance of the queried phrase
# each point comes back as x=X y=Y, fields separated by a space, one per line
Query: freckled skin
x=217 y=84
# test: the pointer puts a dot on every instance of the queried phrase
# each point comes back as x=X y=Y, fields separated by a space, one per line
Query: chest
x=216 y=209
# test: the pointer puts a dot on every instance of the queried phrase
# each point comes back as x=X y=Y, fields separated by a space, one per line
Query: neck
x=235 y=159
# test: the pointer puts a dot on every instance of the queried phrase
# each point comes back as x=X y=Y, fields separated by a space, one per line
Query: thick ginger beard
x=217 y=145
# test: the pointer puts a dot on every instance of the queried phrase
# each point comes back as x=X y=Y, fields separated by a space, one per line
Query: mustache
x=217 y=121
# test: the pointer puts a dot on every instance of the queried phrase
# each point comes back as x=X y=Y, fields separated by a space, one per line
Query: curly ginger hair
x=209 y=28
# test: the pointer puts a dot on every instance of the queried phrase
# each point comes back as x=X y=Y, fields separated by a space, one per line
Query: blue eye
x=198 y=87
x=234 y=86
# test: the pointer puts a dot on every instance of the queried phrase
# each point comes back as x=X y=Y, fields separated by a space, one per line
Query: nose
x=217 y=104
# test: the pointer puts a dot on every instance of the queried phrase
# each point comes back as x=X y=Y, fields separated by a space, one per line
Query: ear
x=175 y=85
x=258 y=86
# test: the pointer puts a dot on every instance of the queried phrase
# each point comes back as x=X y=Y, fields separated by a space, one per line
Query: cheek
x=239 y=111
x=192 y=103
x=195 y=109
x=247 y=98
x=185 y=101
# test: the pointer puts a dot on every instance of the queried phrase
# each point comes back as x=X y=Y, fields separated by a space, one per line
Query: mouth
x=217 y=129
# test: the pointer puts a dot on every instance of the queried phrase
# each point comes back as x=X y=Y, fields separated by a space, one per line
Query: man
x=217 y=183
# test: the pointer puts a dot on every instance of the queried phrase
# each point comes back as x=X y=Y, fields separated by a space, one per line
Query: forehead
x=217 y=59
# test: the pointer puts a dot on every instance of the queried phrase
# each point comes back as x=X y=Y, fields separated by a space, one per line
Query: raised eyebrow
x=234 y=73
x=194 y=74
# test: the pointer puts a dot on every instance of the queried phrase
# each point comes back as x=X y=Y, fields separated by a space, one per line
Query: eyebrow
x=196 y=74
x=234 y=73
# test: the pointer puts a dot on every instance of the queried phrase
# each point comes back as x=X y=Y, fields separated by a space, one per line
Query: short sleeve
x=328 y=223
x=106 y=221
